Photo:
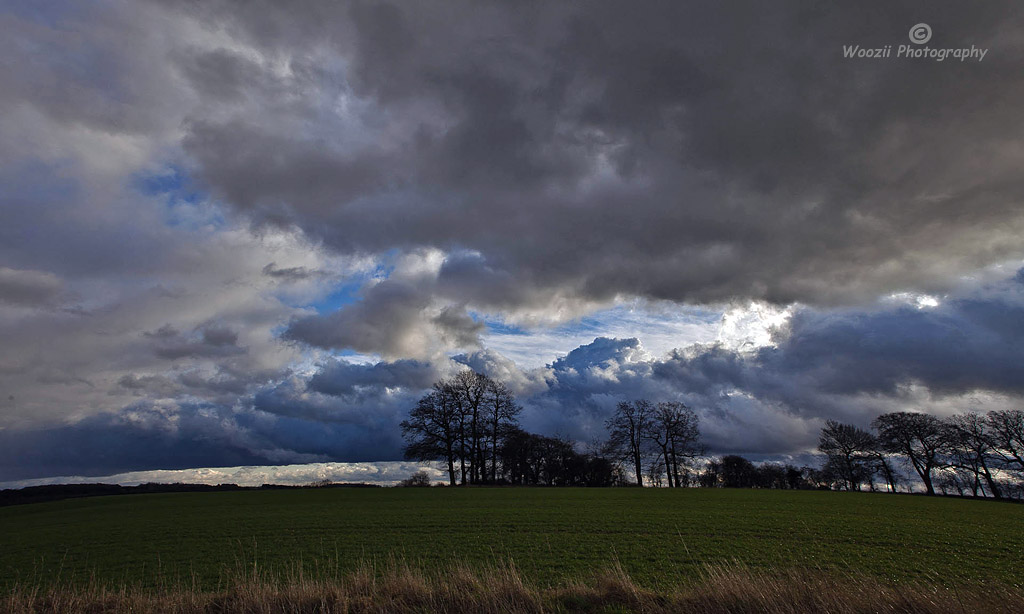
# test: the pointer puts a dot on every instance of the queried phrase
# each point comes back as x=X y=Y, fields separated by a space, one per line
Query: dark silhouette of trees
x=469 y=422
x=628 y=430
x=469 y=389
x=673 y=428
x=850 y=452
x=711 y=476
x=1006 y=429
x=969 y=446
x=461 y=420
x=420 y=479
x=527 y=459
x=738 y=472
x=771 y=475
x=734 y=471
x=434 y=430
x=968 y=453
x=920 y=438
x=884 y=467
x=666 y=436
x=501 y=414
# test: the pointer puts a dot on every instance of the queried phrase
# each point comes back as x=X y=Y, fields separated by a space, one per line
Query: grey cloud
x=158 y=386
x=559 y=156
x=28 y=288
x=392 y=318
x=340 y=378
x=220 y=74
x=146 y=435
x=212 y=342
x=219 y=336
x=297 y=273
x=673 y=152
x=840 y=363
x=845 y=364
x=224 y=385
x=457 y=328
x=503 y=369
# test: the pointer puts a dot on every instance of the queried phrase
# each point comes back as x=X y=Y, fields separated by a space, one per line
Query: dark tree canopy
x=1006 y=429
x=850 y=452
x=673 y=429
x=470 y=422
x=433 y=430
x=917 y=437
x=628 y=430
x=969 y=446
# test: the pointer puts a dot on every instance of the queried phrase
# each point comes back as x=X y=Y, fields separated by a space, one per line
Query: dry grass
x=400 y=589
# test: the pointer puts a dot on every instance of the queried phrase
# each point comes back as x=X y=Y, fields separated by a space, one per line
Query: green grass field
x=659 y=536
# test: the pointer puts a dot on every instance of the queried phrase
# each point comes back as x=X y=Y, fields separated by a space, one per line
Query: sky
x=252 y=234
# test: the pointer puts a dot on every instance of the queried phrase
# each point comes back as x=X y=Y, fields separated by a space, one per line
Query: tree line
x=969 y=453
x=470 y=423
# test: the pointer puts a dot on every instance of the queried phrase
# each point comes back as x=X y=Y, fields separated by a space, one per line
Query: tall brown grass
x=401 y=589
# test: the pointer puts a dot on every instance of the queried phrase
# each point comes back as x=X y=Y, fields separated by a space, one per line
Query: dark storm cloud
x=339 y=377
x=677 y=151
x=297 y=273
x=212 y=341
x=852 y=364
x=156 y=385
x=28 y=288
x=181 y=435
x=140 y=436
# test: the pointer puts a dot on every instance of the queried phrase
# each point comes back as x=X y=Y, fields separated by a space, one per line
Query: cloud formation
x=237 y=233
x=845 y=364
x=660 y=152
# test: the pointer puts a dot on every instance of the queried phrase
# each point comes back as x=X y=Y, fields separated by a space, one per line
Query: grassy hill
x=660 y=537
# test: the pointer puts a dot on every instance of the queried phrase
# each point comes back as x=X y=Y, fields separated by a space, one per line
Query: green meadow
x=660 y=537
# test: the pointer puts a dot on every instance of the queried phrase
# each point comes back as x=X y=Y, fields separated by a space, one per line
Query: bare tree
x=627 y=428
x=470 y=389
x=673 y=428
x=969 y=445
x=1006 y=429
x=918 y=437
x=462 y=420
x=420 y=479
x=500 y=414
x=433 y=429
x=884 y=467
x=850 y=452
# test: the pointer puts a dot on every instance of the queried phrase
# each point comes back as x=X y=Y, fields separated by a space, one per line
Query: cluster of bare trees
x=969 y=453
x=732 y=471
x=470 y=422
x=662 y=438
x=531 y=459
x=462 y=421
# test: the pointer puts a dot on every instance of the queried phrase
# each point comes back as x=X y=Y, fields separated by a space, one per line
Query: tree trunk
x=991 y=483
x=639 y=469
x=926 y=477
x=668 y=466
x=462 y=462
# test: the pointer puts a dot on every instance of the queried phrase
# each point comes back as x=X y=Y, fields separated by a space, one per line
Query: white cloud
x=382 y=473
